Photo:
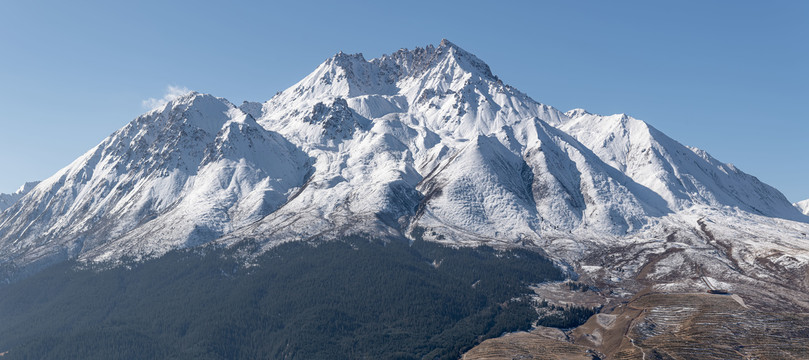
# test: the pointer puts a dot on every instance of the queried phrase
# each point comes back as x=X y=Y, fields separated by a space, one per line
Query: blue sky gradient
x=729 y=77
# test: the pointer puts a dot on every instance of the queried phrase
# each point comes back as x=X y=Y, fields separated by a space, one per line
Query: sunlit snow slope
x=803 y=206
x=426 y=139
x=6 y=200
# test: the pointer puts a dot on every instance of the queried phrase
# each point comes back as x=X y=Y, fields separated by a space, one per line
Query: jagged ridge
x=420 y=139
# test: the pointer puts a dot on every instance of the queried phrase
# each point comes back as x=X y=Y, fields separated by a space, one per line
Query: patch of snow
x=6 y=200
x=803 y=206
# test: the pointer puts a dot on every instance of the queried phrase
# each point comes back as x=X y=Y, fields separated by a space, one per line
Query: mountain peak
x=6 y=200
x=186 y=100
x=466 y=60
x=194 y=98
x=448 y=45
x=445 y=81
x=574 y=113
x=25 y=188
x=803 y=206
x=349 y=75
x=203 y=111
x=418 y=139
x=342 y=59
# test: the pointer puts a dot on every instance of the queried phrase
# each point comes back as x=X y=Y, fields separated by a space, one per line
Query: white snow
x=6 y=200
x=419 y=139
x=683 y=176
x=803 y=206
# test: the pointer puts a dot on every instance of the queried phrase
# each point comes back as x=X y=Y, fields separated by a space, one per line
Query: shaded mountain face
x=426 y=139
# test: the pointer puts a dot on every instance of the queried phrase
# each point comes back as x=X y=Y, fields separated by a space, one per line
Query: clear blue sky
x=730 y=77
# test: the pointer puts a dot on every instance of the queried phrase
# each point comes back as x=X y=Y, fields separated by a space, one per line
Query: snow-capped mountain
x=803 y=206
x=177 y=176
x=6 y=200
x=426 y=139
x=683 y=176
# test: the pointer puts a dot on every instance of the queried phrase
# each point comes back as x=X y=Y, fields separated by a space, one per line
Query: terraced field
x=525 y=345
x=666 y=326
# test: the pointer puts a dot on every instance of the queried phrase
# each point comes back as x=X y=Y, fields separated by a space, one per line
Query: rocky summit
x=429 y=144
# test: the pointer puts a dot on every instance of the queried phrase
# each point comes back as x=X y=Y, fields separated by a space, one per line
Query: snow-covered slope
x=555 y=185
x=445 y=88
x=180 y=175
x=803 y=206
x=683 y=176
x=423 y=141
x=6 y=200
